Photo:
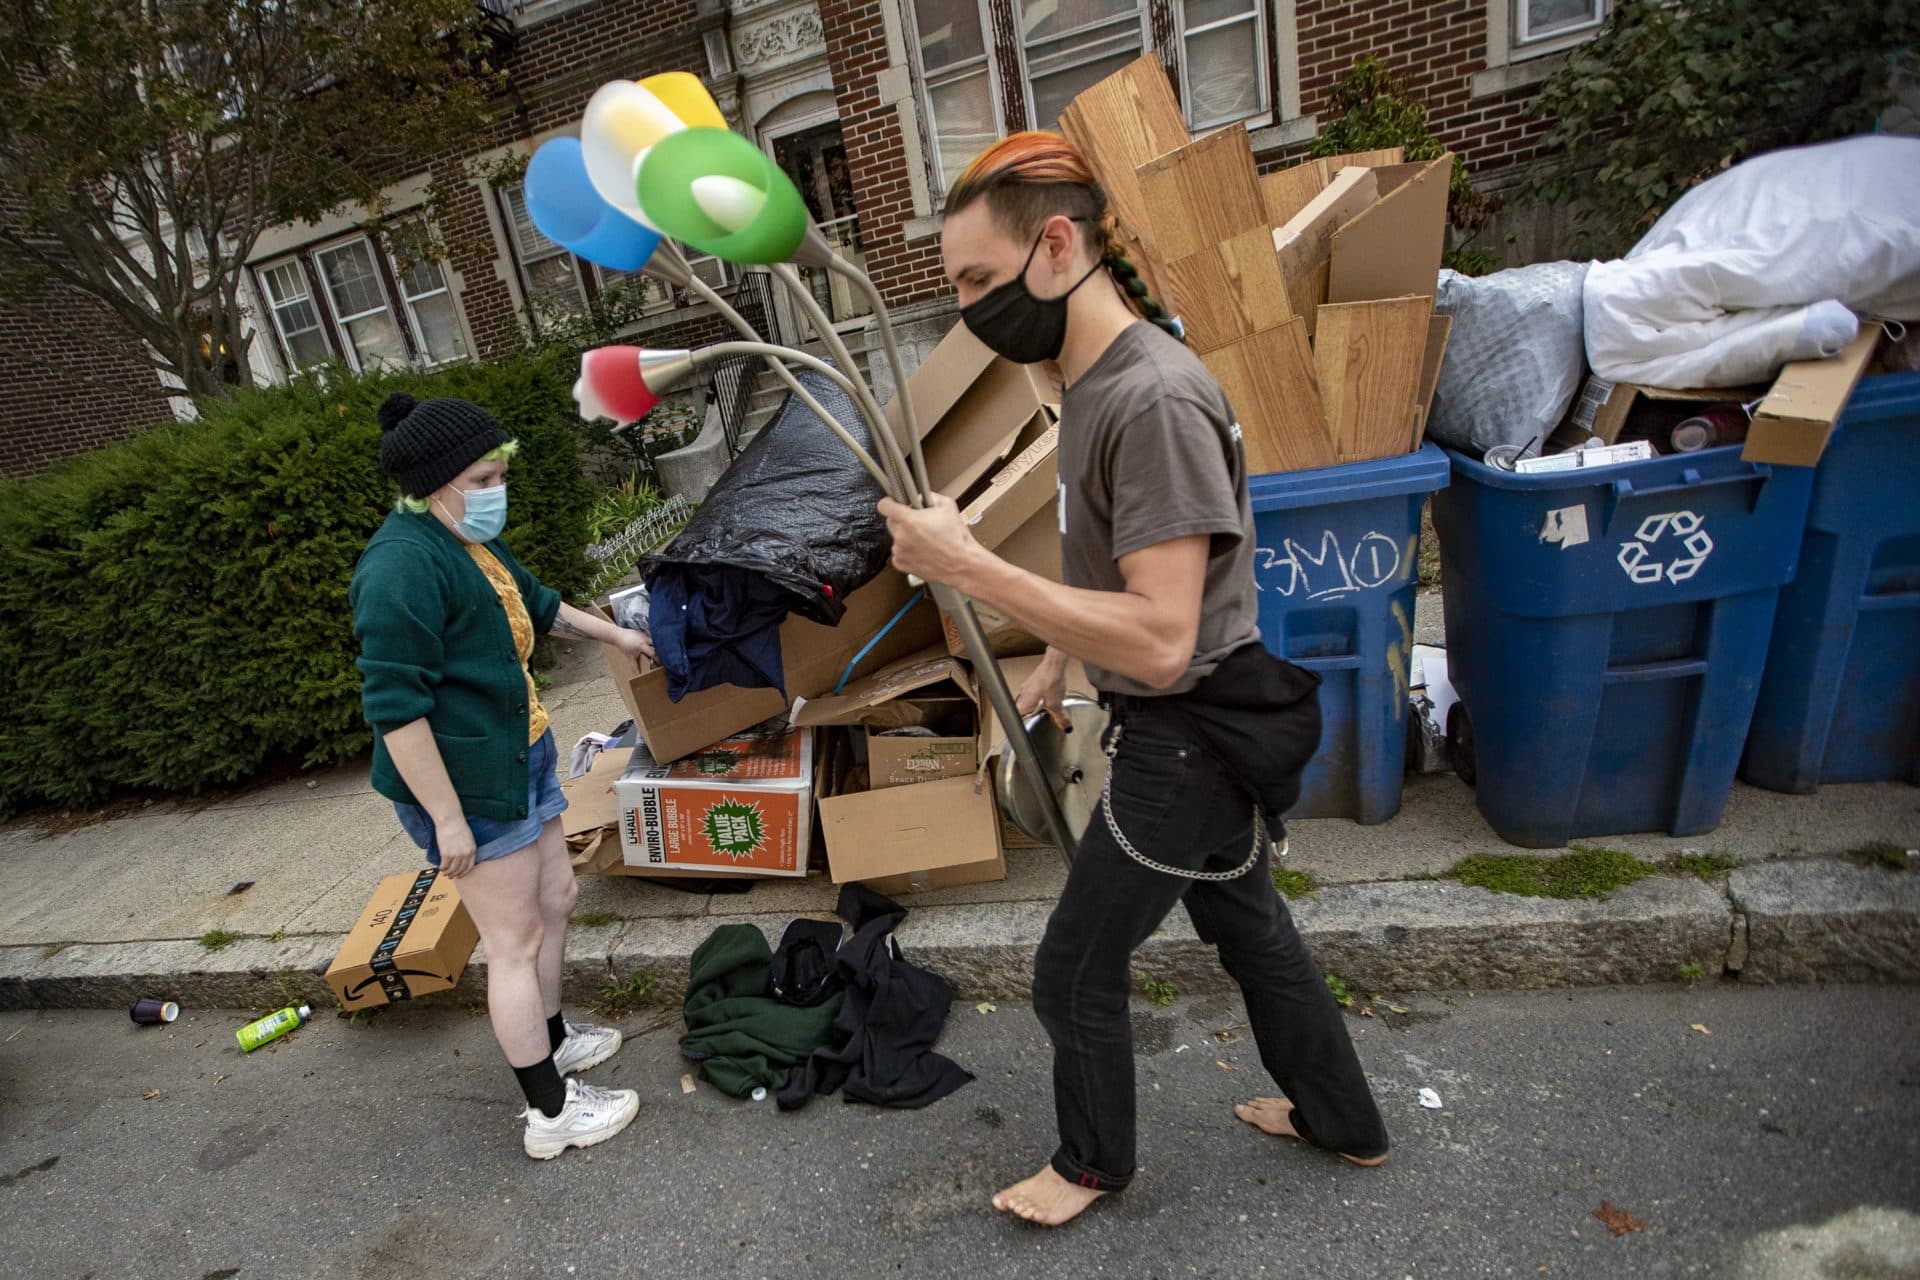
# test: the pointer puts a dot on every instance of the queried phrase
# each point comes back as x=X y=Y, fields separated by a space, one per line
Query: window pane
x=376 y=339
x=653 y=293
x=710 y=269
x=1224 y=75
x=1042 y=18
x=949 y=32
x=963 y=124
x=297 y=317
x=1052 y=93
x=439 y=329
x=526 y=236
x=1200 y=13
x=351 y=279
x=308 y=347
x=552 y=281
x=284 y=282
x=1545 y=17
x=424 y=276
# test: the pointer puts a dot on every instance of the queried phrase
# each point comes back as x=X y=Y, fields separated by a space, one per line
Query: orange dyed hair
x=1026 y=178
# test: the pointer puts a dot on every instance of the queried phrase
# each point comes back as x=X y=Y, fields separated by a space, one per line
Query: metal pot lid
x=1073 y=762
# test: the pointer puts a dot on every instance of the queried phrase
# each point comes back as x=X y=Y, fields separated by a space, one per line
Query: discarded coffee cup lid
x=1504 y=456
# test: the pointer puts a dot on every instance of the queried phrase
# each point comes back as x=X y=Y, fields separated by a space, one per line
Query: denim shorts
x=494 y=839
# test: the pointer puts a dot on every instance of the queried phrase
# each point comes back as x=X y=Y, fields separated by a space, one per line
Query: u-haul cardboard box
x=740 y=806
x=414 y=937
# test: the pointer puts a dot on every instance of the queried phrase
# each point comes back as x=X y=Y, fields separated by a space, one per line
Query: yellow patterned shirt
x=522 y=626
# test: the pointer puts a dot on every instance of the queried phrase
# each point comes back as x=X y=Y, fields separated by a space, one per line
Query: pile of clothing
x=821 y=1014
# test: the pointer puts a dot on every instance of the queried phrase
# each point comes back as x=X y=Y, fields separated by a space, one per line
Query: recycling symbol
x=1652 y=555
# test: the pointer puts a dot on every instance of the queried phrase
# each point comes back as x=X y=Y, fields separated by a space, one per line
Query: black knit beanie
x=426 y=443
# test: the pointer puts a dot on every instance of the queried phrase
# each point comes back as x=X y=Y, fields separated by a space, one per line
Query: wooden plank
x=1269 y=380
x=1288 y=191
x=1307 y=238
x=1438 y=330
x=1202 y=194
x=1330 y=165
x=1368 y=355
x=1230 y=290
x=1392 y=248
x=1307 y=292
x=1121 y=123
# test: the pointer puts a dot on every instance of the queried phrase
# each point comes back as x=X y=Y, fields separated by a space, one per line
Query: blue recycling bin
x=1606 y=633
x=1336 y=565
x=1840 y=701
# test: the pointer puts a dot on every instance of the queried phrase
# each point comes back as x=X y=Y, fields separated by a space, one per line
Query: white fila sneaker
x=585 y=1047
x=590 y=1116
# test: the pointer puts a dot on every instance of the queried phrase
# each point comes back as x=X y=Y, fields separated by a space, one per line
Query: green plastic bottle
x=271 y=1027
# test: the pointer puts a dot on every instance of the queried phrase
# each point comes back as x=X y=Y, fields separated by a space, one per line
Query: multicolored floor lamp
x=655 y=160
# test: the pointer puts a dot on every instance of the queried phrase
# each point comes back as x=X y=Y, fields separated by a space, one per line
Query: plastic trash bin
x=1336 y=567
x=1606 y=633
x=1840 y=701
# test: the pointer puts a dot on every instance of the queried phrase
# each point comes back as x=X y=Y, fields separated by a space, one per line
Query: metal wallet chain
x=1126 y=845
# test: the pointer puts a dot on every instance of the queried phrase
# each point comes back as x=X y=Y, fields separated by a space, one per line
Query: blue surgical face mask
x=486 y=514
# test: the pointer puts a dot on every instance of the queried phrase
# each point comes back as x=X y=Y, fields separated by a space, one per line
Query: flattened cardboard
x=743 y=806
x=865 y=701
x=1305 y=243
x=1202 y=194
x=1392 y=249
x=973 y=409
x=414 y=937
x=590 y=802
x=1795 y=420
x=814 y=658
x=1016 y=518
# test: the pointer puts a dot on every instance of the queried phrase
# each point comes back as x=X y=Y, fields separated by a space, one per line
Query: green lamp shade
x=722 y=195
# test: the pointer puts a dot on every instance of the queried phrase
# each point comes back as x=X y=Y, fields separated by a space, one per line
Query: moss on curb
x=1880 y=853
x=1587 y=872
x=1708 y=866
x=1292 y=883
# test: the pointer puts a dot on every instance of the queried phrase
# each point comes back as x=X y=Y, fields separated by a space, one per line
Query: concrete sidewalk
x=101 y=914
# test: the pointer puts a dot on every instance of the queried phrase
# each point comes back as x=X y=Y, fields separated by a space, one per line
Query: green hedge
x=173 y=609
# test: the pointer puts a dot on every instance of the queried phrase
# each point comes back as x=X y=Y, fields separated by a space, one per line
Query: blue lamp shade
x=564 y=205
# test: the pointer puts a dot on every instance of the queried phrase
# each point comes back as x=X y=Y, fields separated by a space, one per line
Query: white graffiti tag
x=1642 y=556
x=1328 y=571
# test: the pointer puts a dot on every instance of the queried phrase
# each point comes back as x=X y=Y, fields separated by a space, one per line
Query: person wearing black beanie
x=446 y=619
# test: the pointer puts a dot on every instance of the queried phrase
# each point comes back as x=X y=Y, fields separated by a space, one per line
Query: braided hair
x=1028 y=177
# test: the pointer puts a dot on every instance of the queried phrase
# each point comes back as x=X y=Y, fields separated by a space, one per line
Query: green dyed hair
x=420 y=506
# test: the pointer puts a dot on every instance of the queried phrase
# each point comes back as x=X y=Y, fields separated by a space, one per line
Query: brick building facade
x=870 y=104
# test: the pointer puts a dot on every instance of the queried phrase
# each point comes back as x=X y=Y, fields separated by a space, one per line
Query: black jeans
x=1179 y=806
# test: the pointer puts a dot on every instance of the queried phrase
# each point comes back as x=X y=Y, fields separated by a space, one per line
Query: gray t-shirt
x=1149 y=452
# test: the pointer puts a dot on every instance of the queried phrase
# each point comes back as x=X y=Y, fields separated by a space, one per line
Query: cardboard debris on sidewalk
x=1307 y=292
x=740 y=806
x=414 y=937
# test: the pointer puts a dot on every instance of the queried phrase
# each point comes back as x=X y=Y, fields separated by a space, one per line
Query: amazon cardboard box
x=742 y=806
x=414 y=937
x=815 y=658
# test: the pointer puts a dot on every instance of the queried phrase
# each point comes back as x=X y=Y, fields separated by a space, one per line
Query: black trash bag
x=790 y=528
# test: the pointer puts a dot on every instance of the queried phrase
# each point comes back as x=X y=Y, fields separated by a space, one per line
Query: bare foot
x=1275 y=1116
x=1046 y=1198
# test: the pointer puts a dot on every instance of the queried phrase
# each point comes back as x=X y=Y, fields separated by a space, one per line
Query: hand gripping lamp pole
x=716 y=191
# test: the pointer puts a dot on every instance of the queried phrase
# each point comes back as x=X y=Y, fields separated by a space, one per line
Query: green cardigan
x=434 y=642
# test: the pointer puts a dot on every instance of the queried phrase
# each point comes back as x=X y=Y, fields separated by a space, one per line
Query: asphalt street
x=1747 y=1131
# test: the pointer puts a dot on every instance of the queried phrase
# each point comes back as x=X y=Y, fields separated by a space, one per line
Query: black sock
x=556 y=1032
x=542 y=1085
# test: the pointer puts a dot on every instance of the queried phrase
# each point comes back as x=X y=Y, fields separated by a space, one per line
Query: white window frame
x=1083 y=33
x=422 y=355
x=1265 y=112
x=344 y=340
x=1524 y=39
x=517 y=193
x=263 y=274
x=947 y=75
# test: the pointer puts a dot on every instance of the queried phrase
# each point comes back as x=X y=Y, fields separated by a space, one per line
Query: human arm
x=582 y=625
x=1046 y=687
x=417 y=759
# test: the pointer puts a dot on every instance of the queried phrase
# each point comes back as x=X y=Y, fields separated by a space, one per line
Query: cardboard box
x=815 y=658
x=973 y=409
x=414 y=937
x=927 y=691
x=740 y=806
x=933 y=835
x=1795 y=420
x=1017 y=518
x=591 y=823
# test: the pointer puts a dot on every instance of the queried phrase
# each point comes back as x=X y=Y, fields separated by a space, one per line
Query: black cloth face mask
x=1015 y=324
